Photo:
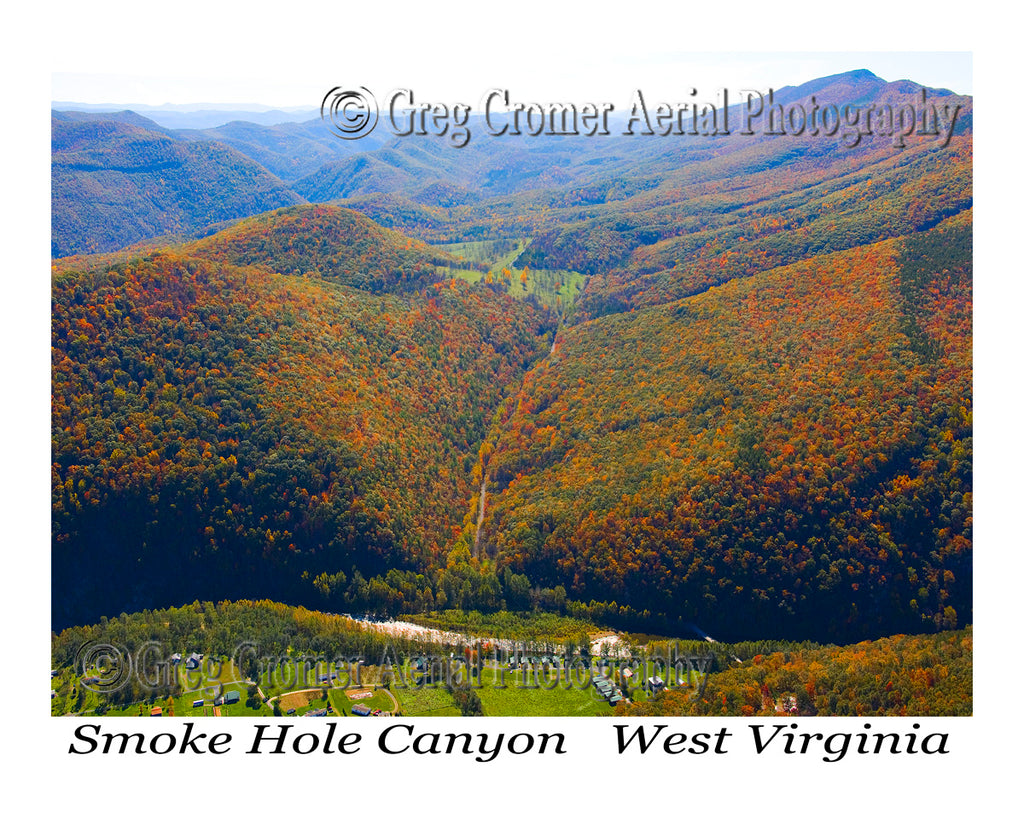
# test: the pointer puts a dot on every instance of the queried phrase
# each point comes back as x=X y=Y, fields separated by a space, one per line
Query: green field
x=495 y=253
x=343 y=703
x=518 y=699
x=429 y=701
x=556 y=289
x=513 y=694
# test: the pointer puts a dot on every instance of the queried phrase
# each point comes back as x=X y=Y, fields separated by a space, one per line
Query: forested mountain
x=225 y=428
x=789 y=452
x=123 y=117
x=488 y=167
x=923 y=675
x=328 y=243
x=764 y=217
x=196 y=116
x=115 y=182
x=289 y=150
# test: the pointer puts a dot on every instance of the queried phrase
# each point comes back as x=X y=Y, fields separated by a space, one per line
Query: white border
x=202 y=38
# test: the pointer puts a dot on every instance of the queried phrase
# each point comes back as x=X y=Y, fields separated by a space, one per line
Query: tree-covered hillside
x=115 y=183
x=786 y=454
x=224 y=430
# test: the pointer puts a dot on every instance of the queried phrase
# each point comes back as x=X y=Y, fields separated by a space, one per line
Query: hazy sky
x=612 y=79
x=587 y=77
x=541 y=50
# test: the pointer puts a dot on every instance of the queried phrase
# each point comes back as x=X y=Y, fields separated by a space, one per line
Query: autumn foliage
x=783 y=455
x=225 y=430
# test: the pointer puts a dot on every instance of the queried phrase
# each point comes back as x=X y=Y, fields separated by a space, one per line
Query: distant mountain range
x=552 y=182
x=115 y=183
x=197 y=115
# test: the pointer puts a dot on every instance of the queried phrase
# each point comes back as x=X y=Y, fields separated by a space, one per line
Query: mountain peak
x=857 y=74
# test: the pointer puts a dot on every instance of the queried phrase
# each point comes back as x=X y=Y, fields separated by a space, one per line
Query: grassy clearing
x=511 y=694
x=496 y=253
x=556 y=289
x=556 y=699
x=428 y=701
